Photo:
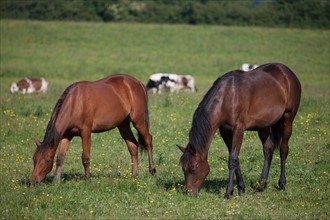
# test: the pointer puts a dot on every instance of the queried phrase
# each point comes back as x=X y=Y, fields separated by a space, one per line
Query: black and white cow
x=247 y=67
x=171 y=82
x=158 y=81
x=30 y=85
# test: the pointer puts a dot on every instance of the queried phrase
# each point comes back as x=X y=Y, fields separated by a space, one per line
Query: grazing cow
x=171 y=82
x=185 y=82
x=158 y=81
x=30 y=85
x=247 y=67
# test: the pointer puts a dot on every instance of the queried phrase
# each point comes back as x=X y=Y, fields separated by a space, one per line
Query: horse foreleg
x=65 y=144
x=268 y=150
x=240 y=181
x=233 y=162
x=86 y=152
x=227 y=136
x=284 y=147
x=132 y=144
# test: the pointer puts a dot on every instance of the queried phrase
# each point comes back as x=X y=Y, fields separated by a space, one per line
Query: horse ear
x=181 y=148
x=37 y=142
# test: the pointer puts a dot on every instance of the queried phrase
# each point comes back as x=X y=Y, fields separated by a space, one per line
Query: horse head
x=43 y=162
x=195 y=169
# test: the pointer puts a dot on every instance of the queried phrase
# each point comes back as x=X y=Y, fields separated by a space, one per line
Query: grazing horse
x=99 y=106
x=265 y=99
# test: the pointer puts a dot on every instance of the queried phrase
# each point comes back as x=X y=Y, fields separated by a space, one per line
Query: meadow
x=66 y=52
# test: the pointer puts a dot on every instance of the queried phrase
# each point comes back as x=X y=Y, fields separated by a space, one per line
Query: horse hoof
x=260 y=188
x=282 y=186
x=241 y=192
x=282 y=183
x=261 y=185
x=227 y=196
x=152 y=171
x=56 y=179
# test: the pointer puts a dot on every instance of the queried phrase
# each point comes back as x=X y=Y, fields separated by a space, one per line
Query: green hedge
x=279 y=13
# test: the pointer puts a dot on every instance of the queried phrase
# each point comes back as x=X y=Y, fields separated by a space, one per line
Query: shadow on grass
x=210 y=186
x=73 y=177
x=214 y=186
x=66 y=177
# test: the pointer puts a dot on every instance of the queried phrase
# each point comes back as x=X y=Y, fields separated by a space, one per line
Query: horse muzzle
x=34 y=182
x=193 y=192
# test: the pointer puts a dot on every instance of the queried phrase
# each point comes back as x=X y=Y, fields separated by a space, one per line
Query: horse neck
x=49 y=144
x=62 y=124
x=59 y=121
x=201 y=134
x=203 y=149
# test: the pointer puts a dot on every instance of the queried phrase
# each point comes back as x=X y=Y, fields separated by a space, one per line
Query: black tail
x=276 y=134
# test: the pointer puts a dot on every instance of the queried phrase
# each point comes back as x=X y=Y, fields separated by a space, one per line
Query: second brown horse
x=265 y=99
x=99 y=106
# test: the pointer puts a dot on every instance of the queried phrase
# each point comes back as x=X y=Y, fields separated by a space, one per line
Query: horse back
x=288 y=82
x=258 y=98
x=101 y=105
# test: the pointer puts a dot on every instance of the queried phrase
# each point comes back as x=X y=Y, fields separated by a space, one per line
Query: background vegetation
x=65 y=52
x=274 y=13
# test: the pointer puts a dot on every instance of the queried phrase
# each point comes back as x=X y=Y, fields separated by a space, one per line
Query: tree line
x=270 y=13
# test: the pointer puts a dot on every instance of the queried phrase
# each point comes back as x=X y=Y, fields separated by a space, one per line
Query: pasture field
x=69 y=52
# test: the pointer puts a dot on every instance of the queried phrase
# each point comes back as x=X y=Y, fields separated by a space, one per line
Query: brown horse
x=265 y=100
x=99 y=106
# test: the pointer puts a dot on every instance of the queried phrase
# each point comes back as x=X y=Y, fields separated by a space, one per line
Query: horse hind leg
x=268 y=150
x=86 y=152
x=126 y=133
x=145 y=138
x=65 y=144
x=284 y=146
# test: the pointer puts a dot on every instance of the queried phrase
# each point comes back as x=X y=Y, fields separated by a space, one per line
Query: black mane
x=200 y=132
x=51 y=135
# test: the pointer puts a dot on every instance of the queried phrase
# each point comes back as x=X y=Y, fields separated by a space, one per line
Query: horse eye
x=47 y=161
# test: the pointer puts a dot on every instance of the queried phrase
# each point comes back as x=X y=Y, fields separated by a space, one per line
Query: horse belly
x=108 y=117
x=263 y=120
x=265 y=111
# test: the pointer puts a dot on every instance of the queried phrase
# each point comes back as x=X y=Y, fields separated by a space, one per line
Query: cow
x=171 y=82
x=30 y=85
x=247 y=67
x=158 y=81
x=185 y=82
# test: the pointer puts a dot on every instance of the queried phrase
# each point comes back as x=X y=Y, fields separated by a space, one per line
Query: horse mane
x=200 y=132
x=51 y=135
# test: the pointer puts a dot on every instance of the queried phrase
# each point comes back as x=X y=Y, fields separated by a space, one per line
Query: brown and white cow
x=30 y=85
x=171 y=82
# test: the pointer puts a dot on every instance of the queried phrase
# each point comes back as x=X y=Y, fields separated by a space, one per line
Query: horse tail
x=276 y=134
x=142 y=145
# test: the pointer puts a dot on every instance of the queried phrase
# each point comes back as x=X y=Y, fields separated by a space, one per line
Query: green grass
x=69 y=52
